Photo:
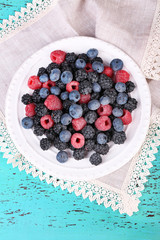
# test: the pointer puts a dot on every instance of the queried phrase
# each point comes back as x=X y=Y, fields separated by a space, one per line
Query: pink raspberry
x=103 y=123
x=77 y=140
x=88 y=67
x=34 y=83
x=108 y=71
x=104 y=110
x=127 y=117
x=49 y=84
x=84 y=98
x=122 y=76
x=30 y=110
x=46 y=122
x=58 y=56
x=52 y=102
x=79 y=123
x=73 y=85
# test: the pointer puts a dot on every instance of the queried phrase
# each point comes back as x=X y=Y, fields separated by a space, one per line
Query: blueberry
x=98 y=66
x=75 y=111
x=93 y=104
x=74 y=96
x=66 y=77
x=101 y=138
x=64 y=95
x=96 y=87
x=104 y=100
x=43 y=78
x=55 y=90
x=117 y=112
x=27 y=122
x=92 y=53
x=62 y=157
x=65 y=136
x=116 y=64
x=80 y=63
x=120 y=87
x=118 y=124
x=122 y=98
x=55 y=74
x=44 y=92
x=66 y=119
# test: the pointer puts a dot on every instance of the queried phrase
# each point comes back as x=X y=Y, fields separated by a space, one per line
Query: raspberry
x=108 y=71
x=89 y=144
x=84 y=57
x=34 y=83
x=58 y=56
x=88 y=132
x=41 y=71
x=131 y=104
x=56 y=115
x=129 y=86
x=79 y=123
x=49 y=84
x=111 y=93
x=95 y=96
x=79 y=154
x=58 y=128
x=88 y=67
x=45 y=144
x=36 y=97
x=38 y=130
x=47 y=122
x=51 y=66
x=66 y=104
x=122 y=76
x=50 y=134
x=105 y=81
x=119 y=137
x=101 y=148
x=73 y=85
x=60 y=145
x=127 y=117
x=61 y=85
x=93 y=77
x=30 y=110
x=90 y=117
x=71 y=57
x=104 y=110
x=84 y=98
x=52 y=102
x=97 y=59
x=41 y=110
x=80 y=75
x=85 y=87
x=103 y=123
x=77 y=140
x=95 y=159
x=26 y=99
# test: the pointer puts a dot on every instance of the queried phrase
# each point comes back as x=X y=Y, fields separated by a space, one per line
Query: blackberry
x=131 y=104
x=65 y=66
x=71 y=147
x=95 y=96
x=129 y=86
x=105 y=82
x=51 y=66
x=93 y=77
x=115 y=104
x=66 y=104
x=41 y=110
x=80 y=75
x=61 y=85
x=109 y=135
x=90 y=117
x=60 y=145
x=84 y=57
x=26 y=99
x=45 y=144
x=112 y=117
x=59 y=127
x=85 y=108
x=101 y=148
x=36 y=120
x=95 y=159
x=41 y=71
x=71 y=129
x=89 y=144
x=88 y=132
x=50 y=134
x=56 y=115
x=79 y=154
x=97 y=59
x=36 y=97
x=85 y=87
x=38 y=130
x=71 y=57
x=111 y=93
x=119 y=137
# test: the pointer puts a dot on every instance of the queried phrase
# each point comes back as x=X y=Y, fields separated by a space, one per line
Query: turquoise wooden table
x=31 y=209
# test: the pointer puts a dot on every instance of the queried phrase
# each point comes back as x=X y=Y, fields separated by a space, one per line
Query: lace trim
x=125 y=200
x=151 y=60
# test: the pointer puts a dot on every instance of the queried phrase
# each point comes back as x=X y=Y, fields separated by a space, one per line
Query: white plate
x=28 y=144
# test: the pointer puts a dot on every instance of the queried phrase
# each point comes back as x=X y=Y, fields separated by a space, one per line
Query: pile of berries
x=78 y=103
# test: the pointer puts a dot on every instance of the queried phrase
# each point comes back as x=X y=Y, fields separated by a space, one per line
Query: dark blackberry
x=97 y=59
x=112 y=117
x=129 y=86
x=71 y=57
x=101 y=148
x=111 y=93
x=66 y=104
x=51 y=66
x=36 y=120
x=59 y=127
x=90 y=117
x=85 y=108
x=95 y=96
x=36 y=97
x=56 y=115
x=41 y=71
x=93 y=77
x=88 y=132
x=61 y=85
x=109 y=135
x=115 y=104
x=131 y=104
x=84 y=57
x=65 y=66
x=38 y=130
x=60 y=145
x=71 y=147
x=119 y=137
x=50 y=134
x=80 y=75
x=89 y=144
x=85 y=87
x=79 y=154
x=105 y=81
x=41 y=110
x=71 y=129
x=95 y=159
x=45 y=144
x=26 y=99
